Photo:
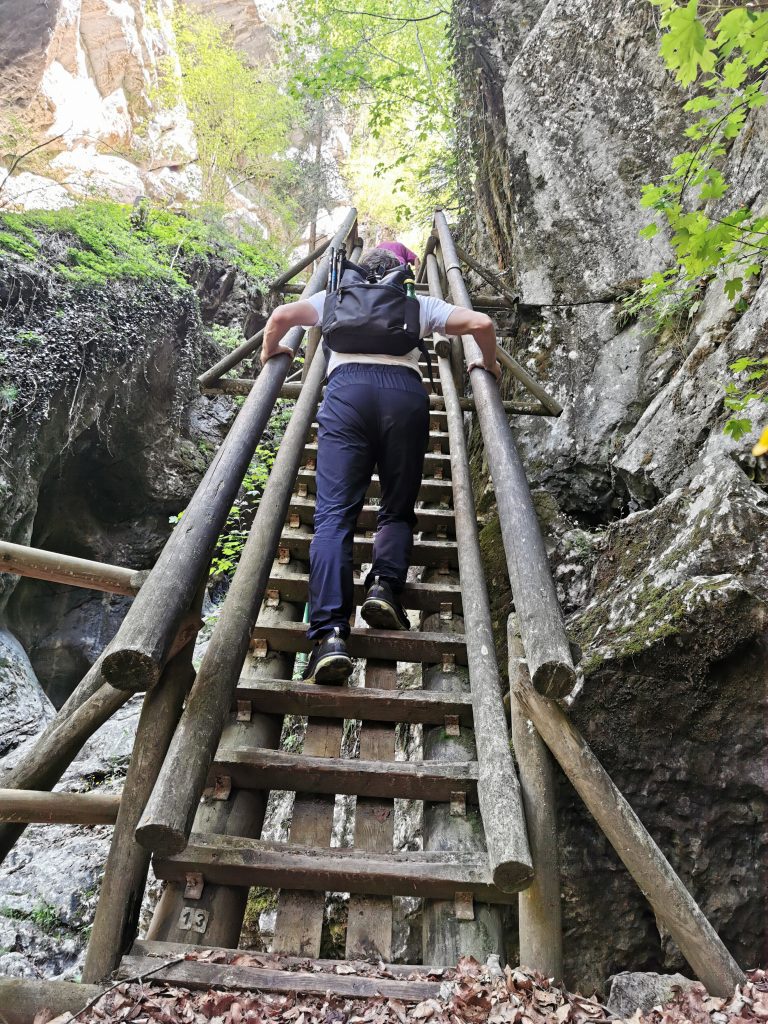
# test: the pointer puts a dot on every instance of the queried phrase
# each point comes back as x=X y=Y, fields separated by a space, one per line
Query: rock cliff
x=654 y=519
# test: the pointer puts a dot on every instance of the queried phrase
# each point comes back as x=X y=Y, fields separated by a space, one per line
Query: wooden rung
x=424 y=552
x=262 y=769
x=286 y=697
x=432 y=460
x=428 y=597
x=429 y=519
x=384 y=644
x=430 y=490
x=436 y=438
x=235 y=860
x=202 y=974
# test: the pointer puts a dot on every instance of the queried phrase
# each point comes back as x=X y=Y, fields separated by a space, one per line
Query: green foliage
x=723 y=50
x=751 y=384
x=228 y=337
x=109 y=241
x=242 y=116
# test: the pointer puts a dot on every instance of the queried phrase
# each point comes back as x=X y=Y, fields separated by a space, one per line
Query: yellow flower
x=761 y=448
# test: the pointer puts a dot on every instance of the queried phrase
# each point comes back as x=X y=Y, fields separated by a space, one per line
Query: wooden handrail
x=167 y=820
x=498 y=790
x=300 y=265
x=135 y=656
x=39 y=564
x=28 y=806
x=541 y=621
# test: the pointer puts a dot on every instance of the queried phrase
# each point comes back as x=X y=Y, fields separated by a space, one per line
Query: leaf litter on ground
x=473 y=993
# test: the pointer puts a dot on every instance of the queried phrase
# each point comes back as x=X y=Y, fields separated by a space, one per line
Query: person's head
x=379 y=262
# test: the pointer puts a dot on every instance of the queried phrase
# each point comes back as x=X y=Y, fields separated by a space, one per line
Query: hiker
x=375 y=413
x=402 y=252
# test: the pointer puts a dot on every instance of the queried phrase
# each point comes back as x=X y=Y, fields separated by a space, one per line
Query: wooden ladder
x=306 y=867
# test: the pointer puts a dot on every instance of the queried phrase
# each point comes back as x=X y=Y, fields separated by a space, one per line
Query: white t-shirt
x=433 y=314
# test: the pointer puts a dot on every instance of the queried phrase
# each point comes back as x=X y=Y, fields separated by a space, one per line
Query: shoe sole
x=381 y=615
x=334 y=668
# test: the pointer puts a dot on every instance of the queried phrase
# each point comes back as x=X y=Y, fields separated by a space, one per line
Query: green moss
x=260 y=900
x=107 y=241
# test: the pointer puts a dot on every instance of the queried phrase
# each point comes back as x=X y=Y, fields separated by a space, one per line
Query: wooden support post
x=92 y=703
x=135 y=656
x=497 y=788
x=125 y=875
x=487 y=275
x=22 y=999
x=552 y=406
x=167 y=820
x=297 y=267
x=672 y=904
x=539 y=911
x=541 y=621
x=77 y=572
x=27 y=806
x=428 y=249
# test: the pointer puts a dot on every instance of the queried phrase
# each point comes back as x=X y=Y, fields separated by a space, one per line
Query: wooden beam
x=244 y=386
x=77 y=572
x=424 y=552
x=385 y=644
x=430 y=490
x=22 y=1000
x=540 y=926
x=519 y=372
x=298 y=266
x=135 y=656
x=252 y=768
x=425 y=596
x=232 y=860
x=541 y=621
x=499 y=796
x=25 y=805
x=428 y=519
x=672 y=904
x=368 y=704
x=488 y=276
x=199 y=974
x=168 y=816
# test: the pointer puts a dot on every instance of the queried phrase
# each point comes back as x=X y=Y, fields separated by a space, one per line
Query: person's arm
x=292 y=314
x=482 y=329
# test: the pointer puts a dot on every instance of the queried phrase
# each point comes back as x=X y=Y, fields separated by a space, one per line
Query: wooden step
x=429 y=519
x=425 y=552
x=263 y=769
x=428 y=597
x=311 y=980
x=438 y=439
x=430 y=490
x=356 y=703
x=235 y=860
x=434 y=463
x=384 y=644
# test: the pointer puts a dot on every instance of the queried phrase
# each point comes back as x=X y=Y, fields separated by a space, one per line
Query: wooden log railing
x=167 y=820
x=20 y=560
x=541 y=621
x=497 y=786
x=26 y=806
x=279 y=283
x=672 y=904
x=488 y=276
x=135 y=656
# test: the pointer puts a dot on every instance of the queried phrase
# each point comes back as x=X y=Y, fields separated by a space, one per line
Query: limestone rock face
x=653 y=518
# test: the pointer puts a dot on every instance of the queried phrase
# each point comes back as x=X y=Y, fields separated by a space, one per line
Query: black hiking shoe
x=329 y=661
x=381 y=609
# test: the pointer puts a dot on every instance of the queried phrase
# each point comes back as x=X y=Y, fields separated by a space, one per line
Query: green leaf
x=733 y=287
x=700 y=103
x=685 y=47
x=734 y=73
x=737 y=428
x=649 y=231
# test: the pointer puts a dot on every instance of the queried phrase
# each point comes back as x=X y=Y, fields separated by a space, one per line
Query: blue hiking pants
x=371 y=416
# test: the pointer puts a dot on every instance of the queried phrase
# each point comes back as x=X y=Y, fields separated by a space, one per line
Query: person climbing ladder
x=375 y=413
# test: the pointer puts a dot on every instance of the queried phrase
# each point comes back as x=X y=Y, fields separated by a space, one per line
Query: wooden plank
x=199 y=974
x=421 y=596
x=428 y=519
x=425 y=552
x=233 y=860
x=288 y=697
x=437 y=437
x=39 y=564
x=385 y=644
x=23 y=1000
x=673 y=905
x=26 y=805
x=170 y=950
x=299 y=923
x=430 y=490
x=369 y=921
x=257 y=768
